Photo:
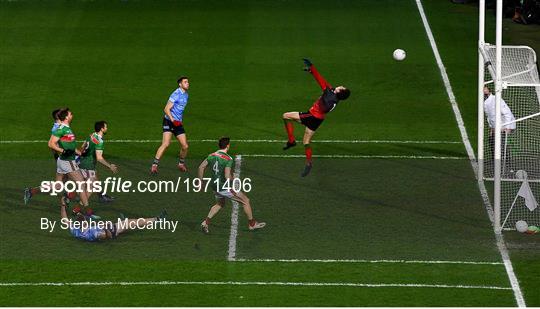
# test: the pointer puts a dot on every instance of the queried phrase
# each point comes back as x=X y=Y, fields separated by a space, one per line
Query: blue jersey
x=91 y=234
x=179 y=99
x=55 y=127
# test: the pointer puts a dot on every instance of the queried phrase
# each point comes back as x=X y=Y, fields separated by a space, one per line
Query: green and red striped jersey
x=218 y=161
x=66 y=141
x=88 y=157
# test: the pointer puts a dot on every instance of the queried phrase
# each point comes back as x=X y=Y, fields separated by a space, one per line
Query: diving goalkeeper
x=313 y=118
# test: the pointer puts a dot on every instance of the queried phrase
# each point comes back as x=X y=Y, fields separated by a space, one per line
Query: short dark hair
x=343 y=94
x=99 y=125
x=223 y=142
x=55 y=114
x=181 y=78
x=63 y=113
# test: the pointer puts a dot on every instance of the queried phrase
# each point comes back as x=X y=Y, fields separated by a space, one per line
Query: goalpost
x=509 y=150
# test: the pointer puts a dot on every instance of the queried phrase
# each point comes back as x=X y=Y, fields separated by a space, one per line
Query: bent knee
x=289 y=116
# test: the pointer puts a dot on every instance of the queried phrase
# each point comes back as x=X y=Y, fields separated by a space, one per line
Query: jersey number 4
x=215 y=168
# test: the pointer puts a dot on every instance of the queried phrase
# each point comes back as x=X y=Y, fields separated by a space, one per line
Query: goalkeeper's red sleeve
x=320 y=80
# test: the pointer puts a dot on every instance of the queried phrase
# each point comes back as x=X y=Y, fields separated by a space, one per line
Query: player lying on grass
x=63 y=142
x=30 y=192
x=313 y=118
x=221 y=164
x=172 y=124
x=92 y=152
x=95 y=233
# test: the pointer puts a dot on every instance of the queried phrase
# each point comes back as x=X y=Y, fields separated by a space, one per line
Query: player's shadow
x=338 y=194
x=12 y=199
x=426 y=150
x=443 y=170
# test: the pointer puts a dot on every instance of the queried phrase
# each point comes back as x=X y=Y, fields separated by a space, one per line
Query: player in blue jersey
x=96 y=233
x=56 y=122
x=173 y=125
x=55 y=126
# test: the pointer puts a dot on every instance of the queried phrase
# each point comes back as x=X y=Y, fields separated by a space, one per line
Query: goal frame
x=499 y=85
x=498 y=93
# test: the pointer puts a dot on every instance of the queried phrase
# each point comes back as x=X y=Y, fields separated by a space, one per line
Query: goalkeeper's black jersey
x=325 y=104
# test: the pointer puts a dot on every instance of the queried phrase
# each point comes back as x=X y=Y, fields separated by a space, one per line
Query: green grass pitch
x=359 y=231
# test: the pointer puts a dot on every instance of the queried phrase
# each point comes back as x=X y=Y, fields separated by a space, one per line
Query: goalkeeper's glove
x=68 y=152
x=307 y=64
x=177 y=123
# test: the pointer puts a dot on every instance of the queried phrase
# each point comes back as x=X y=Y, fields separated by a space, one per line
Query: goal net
x=520 y=138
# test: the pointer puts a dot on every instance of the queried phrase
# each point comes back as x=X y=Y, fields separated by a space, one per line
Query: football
x=522 y=226
x=399 y=54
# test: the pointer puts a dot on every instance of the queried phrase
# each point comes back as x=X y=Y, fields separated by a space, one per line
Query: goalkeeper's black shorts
x=310 y=121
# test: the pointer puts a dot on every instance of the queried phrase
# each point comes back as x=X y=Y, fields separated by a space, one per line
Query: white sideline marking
x=251 y=141
x=518 y=295
x=367 y=261
x=353 y=156
x=234 y=215
x=319 y=284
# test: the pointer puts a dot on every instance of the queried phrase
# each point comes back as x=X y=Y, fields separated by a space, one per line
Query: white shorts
x=226 y=194
x=88 y=174
x=66 y=166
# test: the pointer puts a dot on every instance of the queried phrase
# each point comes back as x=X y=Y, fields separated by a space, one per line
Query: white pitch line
x=300 y=156
x=253 y=141
x=518 y=295
x=259 y=283
x=368 y=261
x=234 y=214
x=354 y=156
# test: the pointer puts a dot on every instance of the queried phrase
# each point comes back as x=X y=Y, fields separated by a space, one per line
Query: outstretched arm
x=320 y=80
x=101 y=159
x=311 y=69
